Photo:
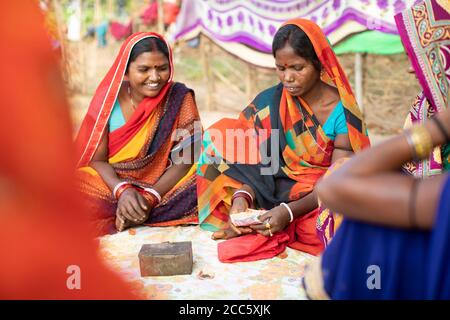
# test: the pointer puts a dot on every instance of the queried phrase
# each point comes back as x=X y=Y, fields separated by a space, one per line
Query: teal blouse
x=116 y=120
x=335 y=123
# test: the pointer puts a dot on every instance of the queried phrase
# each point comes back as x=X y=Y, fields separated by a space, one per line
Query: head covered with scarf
x=102 y=103
x=304 y=155
x=140 y=150
x=334 y=75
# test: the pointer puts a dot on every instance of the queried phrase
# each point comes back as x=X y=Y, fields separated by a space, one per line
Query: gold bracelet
x=419 y=139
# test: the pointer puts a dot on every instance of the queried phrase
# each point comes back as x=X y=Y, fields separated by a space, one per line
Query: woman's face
x=148 y=73
x=297 y=74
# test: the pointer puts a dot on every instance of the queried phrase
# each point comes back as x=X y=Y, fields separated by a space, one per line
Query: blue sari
x=366 y=261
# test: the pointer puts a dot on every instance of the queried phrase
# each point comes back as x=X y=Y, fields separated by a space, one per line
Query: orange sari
x=301 y=146
x=140 y=150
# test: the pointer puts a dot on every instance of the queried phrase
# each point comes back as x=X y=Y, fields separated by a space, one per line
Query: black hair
x=299 y=41
x=149 y=44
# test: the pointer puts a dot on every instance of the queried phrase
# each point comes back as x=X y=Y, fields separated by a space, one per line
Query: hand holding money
x=246 y=218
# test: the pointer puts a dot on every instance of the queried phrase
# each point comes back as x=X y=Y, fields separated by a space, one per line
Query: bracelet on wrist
x=291 y=215
x=149 y=191
x=150 y=197
x=243 y=194
x=120 y=188
x=153 y=193
x=420 y=142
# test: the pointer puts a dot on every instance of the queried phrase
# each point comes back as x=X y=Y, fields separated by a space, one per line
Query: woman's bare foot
x=224 y=234
x=230 y=232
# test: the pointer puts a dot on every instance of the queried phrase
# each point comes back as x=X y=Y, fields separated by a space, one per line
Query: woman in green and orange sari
x=304 y=124
x=135 y=143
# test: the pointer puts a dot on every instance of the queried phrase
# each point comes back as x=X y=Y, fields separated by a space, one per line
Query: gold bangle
x=420 y=142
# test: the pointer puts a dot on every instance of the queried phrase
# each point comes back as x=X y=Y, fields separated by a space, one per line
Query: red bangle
x=121 y=189
x=150 y=197
x=242 y=195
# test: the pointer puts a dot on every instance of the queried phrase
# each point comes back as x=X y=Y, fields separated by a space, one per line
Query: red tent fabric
x=121 y=31
x=150 y=15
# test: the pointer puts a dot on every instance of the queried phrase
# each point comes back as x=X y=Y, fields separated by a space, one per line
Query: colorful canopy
x=246 y=28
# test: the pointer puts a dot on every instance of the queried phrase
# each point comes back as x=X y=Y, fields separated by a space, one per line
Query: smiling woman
x=126 y=146
x=148 y=68
x=312 y=120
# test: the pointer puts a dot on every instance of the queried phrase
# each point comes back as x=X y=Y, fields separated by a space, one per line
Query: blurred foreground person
x=425 y=31
x=394 y=241
x=46 y=250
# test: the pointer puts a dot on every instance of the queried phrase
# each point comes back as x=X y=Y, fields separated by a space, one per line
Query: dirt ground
x=388 y=89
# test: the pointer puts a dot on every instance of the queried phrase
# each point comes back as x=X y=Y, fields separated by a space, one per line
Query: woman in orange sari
x=304 y=124
x=136 y=141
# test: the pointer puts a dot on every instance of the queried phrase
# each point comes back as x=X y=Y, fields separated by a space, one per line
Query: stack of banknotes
x=246 y=218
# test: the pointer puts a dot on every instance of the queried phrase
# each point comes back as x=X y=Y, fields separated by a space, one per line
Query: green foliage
x=88 y=10
x=190 y=68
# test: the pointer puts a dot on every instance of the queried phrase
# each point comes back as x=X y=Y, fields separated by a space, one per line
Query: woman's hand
x=133 y=206
x=278 y=219
x=121 y=222
x=239 y=205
